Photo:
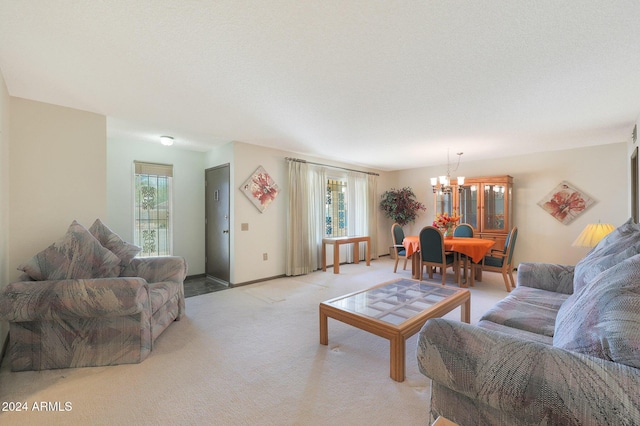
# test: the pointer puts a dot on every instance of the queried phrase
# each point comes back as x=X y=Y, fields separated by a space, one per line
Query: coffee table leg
x=465 y=311
x=397 y=344
x=324 y=329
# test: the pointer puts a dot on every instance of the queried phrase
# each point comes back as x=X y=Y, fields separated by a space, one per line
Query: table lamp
x=592 y=234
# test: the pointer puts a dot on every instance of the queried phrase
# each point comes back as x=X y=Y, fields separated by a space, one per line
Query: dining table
x=472 y=248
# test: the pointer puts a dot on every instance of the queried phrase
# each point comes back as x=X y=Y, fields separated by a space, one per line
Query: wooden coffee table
x=395 y=310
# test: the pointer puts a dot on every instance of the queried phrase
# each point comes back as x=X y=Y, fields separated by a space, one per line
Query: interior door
x=217 y=224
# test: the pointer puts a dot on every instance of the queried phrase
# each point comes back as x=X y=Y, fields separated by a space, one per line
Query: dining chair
x=502 y=260
x=397 y=233
x=464 y=230
x=432 y=254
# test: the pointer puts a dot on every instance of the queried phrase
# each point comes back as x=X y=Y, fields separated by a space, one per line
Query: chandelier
x=442 y=184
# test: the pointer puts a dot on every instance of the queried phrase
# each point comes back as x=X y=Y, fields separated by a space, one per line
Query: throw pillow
x=78 y=255
x=622 y=243
x=112 y=241
x=603 y=319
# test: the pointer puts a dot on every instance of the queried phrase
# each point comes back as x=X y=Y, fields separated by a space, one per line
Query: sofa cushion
x=112 y=241
x=603 y=319
x=620 y=244
x=529 y=309
x=515 y=332
x=78 y=255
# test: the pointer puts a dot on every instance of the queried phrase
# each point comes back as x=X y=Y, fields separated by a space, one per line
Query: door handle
x=226 y=231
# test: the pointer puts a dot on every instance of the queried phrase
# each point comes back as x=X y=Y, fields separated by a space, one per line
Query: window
x=153 y=205
x=336 y=209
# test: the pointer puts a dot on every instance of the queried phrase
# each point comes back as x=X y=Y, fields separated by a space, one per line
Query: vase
x=448 y=233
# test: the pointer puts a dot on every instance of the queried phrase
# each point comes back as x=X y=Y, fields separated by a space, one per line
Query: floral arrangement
x=445 y=222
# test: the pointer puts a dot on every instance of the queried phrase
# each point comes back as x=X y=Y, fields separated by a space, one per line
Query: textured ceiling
x=384 y=84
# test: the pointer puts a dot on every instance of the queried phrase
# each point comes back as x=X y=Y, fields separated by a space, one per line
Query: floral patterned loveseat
x=87 y=301
x=563 y=348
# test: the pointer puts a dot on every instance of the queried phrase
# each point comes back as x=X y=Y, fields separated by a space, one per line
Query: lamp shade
x=592 y=234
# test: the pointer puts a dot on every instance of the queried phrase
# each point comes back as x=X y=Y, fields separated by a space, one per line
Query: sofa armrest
x=530 y=380
x=546 y=276
x=157 y=269
x=63 y=299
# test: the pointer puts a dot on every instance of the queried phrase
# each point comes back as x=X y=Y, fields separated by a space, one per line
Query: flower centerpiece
x=446 y=223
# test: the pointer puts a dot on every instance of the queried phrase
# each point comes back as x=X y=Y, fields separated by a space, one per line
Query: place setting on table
x=463 y=248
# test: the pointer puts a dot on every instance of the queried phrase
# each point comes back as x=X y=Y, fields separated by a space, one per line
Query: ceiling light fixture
x=166 y=140
x=442 y=184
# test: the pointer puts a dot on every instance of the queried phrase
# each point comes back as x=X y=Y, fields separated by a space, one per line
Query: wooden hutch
x=485 y=203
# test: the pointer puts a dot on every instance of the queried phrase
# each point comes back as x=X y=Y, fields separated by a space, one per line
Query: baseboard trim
x=257 y=281
x=199 y=276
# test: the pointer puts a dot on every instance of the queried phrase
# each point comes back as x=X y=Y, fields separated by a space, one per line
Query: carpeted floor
x=247 y=356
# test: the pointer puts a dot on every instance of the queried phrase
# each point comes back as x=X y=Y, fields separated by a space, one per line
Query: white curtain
x=317 y=199
x=305 y=218
x=372 y=213
x=362 y=211
x=306 y=215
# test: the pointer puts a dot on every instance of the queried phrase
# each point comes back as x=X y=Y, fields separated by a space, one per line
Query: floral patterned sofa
x=562 y=349
x=87 y=301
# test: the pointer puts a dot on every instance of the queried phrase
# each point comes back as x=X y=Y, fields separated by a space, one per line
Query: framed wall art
x=566 y=202
x=260 y=189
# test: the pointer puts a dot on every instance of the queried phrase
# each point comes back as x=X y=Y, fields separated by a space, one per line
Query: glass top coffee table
x=395 y=310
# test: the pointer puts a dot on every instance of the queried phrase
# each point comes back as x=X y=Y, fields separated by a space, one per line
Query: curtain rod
x=328 y=165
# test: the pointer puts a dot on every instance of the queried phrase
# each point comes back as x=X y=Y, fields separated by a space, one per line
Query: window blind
x=156 y=169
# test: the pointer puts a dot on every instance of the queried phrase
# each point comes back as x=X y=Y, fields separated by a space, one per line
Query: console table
x=336 y=242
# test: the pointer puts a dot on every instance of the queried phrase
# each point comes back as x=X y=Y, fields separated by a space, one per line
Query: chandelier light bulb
x=442 y=184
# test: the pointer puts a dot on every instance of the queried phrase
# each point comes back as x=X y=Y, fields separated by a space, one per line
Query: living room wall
x=188 y=194
x=74 y=189
x=57 y=174
x=600 y=171
x=541 y=238
x=267 y=230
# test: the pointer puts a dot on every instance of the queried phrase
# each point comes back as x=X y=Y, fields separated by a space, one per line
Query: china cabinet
x=485 y=203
